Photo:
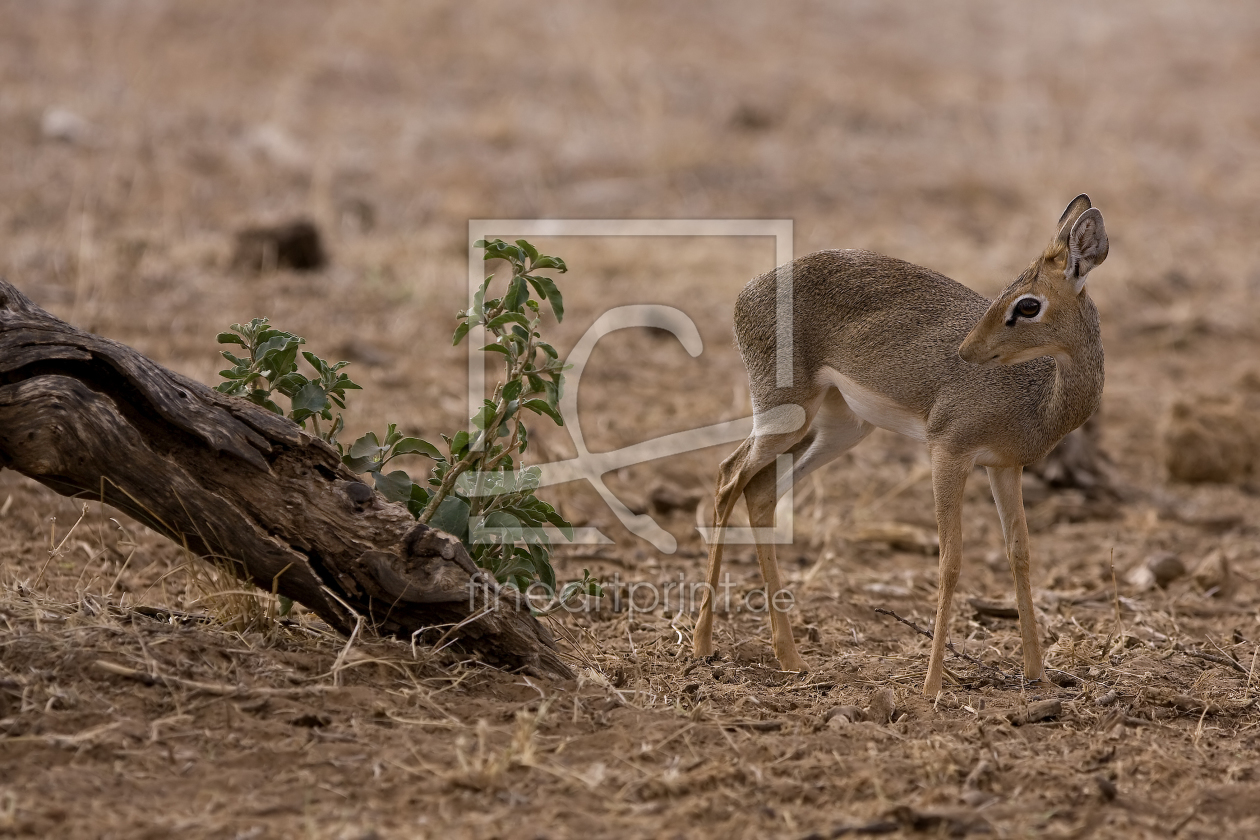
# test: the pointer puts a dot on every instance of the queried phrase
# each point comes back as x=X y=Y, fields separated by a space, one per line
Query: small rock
x=65 y=127
x=1165 y=567
x=883 y=704
x=363 y=352
x=1077 y=462
x=749 y=117
x=311 y=720
x=1212 y=439
x=844 y=715
x=359 y=834
x=978 y=798
x=278 y=147
x=1213 y=576
x=993 y=609
x=1036 y=491
x=1141 y=578
x=357 y=215
x=1032 y=713
x=358 y=492
x=297 y=245
x=899 y=536
x=1062 y=678
x=1106 y=787
x=665 y=498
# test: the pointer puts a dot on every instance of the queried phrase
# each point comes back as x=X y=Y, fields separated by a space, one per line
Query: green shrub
x=478 y=489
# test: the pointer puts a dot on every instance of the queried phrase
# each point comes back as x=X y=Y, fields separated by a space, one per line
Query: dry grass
x=949 y=136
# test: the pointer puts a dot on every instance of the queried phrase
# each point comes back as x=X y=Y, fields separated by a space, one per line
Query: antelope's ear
x=1087 y=247
x=1075 y=208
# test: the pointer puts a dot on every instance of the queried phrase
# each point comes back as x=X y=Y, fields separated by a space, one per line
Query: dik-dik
x=877 y=342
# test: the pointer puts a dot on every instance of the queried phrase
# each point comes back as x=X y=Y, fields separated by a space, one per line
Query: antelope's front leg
x=1008 y=494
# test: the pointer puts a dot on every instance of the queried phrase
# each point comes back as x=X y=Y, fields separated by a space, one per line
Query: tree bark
x=92 y=418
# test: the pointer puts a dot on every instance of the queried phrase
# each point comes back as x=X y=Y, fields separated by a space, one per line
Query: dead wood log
x=92 y=418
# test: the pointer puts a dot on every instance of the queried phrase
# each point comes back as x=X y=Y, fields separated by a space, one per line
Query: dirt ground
x=141 y=695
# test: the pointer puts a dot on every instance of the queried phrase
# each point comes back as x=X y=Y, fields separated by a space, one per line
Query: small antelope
x=880 y=342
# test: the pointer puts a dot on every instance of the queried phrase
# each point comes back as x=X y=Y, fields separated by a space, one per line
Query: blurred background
x=140 y=142
x=137 y=139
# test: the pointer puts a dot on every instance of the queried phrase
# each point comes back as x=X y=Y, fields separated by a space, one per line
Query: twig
x=1115 y=592
x=1227 y=661
x=345 y=651
x=754 y=725
x=1224 y=652
x=55 y=550
x=220 y=689
x=964 y=656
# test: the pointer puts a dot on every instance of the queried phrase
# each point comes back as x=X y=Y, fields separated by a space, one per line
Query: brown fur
x=934 y=357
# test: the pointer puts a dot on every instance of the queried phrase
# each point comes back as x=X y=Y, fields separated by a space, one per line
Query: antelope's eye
x=1028 y=308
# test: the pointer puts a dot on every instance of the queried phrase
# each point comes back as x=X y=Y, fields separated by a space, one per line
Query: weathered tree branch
x=92 y=418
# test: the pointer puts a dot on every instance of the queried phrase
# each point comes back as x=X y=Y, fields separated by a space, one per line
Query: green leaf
x=547 y=289
x=542 y=565
x=563 y=525
x=317 y=363
x=459 y=443
x=279 y=341
x=497 y=348
x=500 y=250
x=508 y=318
x=365 y=455
x=552 y=392
x=395 y=486
x=509 y=409
x=343 y=383
x=512 y=390
x=291 y=383
x=529 y=250
x=280 y=362
x=365 y=445
x=482 y=418
x=230 y=338
x=452 y=517
x=550 y=262
x=516 y=295
x=419 y=500
x=541 y=407
x=310 y=398
x=416 y=446
x=507 y=527
x=460 y=332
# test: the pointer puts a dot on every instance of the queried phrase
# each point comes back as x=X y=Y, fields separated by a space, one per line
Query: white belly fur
x=876 y=408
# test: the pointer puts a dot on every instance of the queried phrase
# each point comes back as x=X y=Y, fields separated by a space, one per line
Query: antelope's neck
x=1077 y=389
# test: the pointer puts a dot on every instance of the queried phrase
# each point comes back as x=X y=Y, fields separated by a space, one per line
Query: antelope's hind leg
x=834 y=431
x=949 y=479
x=754 y=454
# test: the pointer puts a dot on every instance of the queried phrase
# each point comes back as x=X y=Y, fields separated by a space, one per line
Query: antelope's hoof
x=792 y=663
